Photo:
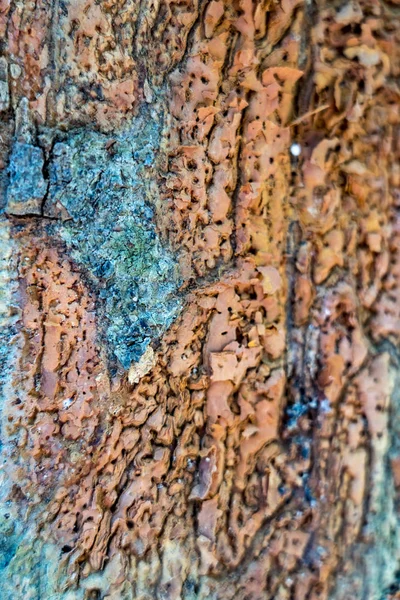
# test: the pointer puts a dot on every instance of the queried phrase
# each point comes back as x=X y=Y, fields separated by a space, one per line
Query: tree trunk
x=200 y=299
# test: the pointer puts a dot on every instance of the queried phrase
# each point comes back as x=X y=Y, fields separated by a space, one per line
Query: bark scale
x=200 y=299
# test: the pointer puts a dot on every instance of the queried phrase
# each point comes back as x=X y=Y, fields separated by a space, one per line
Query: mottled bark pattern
x=253 y=451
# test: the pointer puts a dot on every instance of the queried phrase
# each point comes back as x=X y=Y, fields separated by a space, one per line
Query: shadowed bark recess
x=200 y=299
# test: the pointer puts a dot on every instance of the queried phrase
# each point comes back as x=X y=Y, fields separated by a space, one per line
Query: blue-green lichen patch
x=27 y=186
x=101 y=188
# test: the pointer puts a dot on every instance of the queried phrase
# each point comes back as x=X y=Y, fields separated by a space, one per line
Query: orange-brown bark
x=252 y=453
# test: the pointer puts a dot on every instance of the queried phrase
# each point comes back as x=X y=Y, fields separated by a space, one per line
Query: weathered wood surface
x=200 y=299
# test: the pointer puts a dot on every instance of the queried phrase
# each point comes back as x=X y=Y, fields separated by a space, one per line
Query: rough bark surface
x=200 y=299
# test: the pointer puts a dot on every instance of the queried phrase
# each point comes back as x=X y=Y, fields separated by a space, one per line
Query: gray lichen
x=27 y=185
x=4 y=89
x=101 y=188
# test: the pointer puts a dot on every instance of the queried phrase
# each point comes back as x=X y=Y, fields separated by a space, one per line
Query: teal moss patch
x=8 y=540
x=102 y=189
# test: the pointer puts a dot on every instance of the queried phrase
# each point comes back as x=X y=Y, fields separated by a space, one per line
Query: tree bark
x=200 y=299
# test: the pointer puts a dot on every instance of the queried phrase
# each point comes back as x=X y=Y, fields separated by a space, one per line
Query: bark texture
x=200 y=299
